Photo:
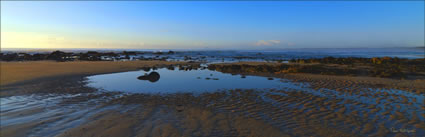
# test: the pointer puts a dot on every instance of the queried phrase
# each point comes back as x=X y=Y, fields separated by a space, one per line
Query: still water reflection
x=175 y=81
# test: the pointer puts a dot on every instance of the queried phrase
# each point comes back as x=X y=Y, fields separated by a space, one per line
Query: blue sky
x=211 y=24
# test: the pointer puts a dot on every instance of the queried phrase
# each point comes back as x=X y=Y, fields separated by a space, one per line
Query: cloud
x=274 y=42
x=267 y=42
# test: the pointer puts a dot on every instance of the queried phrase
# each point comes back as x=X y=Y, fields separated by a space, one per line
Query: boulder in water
x=152 y=77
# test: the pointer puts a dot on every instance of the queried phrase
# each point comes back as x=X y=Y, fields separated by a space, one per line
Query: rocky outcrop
x=152 y=77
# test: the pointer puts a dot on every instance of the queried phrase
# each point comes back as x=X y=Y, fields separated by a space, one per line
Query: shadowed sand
x=14 y=72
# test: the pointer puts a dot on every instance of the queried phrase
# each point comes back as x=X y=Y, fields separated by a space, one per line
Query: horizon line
x=208 y=48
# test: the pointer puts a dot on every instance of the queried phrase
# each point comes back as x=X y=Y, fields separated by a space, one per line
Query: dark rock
x=171 y=67
x=152 y=77
x=147 y=69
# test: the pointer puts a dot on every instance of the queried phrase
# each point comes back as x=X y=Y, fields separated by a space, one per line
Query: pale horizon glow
x=211 y=25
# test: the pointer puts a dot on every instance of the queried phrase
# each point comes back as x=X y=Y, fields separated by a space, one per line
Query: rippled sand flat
x=314 y=106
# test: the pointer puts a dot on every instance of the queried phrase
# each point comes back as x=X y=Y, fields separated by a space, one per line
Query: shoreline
x=23 y=73
x=15 y=73
x=231 y=112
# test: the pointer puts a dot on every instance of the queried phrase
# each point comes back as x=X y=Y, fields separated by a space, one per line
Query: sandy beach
x=59 y=104
x=212 y=69
x=15 y=72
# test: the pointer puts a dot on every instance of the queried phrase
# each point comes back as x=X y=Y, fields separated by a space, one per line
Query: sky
x=211 y=24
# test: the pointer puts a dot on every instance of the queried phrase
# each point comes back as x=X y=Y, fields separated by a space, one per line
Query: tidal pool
x=277 y=102
x=165 y=81
x=179 y=81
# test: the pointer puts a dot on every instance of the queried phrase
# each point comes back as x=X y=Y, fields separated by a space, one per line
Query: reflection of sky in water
x=179 y=81
x=187 y=81
x=51 y=107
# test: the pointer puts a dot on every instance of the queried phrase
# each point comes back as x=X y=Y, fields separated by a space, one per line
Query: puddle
x=179 y=81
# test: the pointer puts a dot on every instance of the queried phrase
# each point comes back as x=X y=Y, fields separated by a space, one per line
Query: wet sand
x=328 y=106
x=15 y=72
x=340 y=82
